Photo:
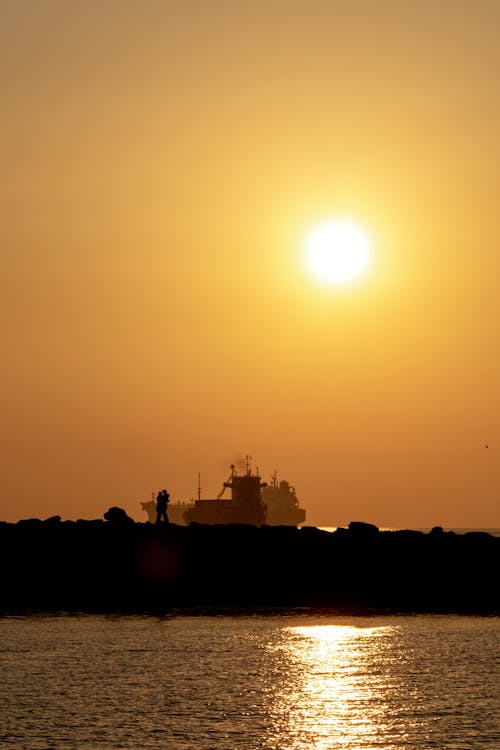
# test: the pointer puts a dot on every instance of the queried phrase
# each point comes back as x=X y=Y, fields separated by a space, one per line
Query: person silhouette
x=161 y=506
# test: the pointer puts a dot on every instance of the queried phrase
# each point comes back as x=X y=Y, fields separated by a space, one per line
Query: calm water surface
x=215 y=683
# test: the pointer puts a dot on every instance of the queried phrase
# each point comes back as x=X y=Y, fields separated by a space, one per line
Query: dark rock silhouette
x=117 y=515
x=363 y=529
x=121 y=566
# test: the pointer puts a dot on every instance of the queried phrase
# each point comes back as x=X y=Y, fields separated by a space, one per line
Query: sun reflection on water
x=334 y=690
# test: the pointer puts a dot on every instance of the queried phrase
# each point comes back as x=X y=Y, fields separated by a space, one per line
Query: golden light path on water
x=338 y=686
x=322 y=682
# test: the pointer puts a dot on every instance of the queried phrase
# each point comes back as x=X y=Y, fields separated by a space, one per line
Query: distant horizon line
x=493 y=530
x=457 y=529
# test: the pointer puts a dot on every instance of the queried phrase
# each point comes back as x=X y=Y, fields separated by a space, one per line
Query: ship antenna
x=199 y=486
x=247 y=460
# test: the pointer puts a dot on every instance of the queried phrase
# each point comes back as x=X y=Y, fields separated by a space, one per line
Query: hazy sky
x=162 y=166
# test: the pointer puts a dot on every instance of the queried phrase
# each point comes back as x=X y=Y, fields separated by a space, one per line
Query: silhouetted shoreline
x=121 y=566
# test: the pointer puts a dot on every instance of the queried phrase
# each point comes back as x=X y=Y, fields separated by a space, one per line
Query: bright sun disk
x=338 y=251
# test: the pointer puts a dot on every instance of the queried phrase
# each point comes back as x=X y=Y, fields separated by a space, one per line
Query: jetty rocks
x=117 y=565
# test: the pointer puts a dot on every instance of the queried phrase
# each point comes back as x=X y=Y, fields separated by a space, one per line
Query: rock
x=363 y=529
x=436 y=530
x=117 y=515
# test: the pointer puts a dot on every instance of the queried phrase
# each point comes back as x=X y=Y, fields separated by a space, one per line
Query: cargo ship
x=244 y=506
x=282 y=503
x=252 y=501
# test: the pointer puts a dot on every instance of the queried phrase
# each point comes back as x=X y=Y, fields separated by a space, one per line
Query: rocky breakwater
x=117 y=565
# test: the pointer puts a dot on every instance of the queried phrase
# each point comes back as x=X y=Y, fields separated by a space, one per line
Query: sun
x=338 y=251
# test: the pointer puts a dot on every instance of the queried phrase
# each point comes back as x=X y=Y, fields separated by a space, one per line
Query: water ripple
x=277 y=683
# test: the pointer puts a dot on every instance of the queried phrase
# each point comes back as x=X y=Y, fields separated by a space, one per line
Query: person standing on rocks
x=161 y=506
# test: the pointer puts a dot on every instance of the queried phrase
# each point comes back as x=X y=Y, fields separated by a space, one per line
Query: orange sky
x=162 y=166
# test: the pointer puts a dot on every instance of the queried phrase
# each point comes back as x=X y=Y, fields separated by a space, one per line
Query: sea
x=294 y=681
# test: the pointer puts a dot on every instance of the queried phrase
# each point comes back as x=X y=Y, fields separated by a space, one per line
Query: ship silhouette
x=282 y=503
x=252 y=502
